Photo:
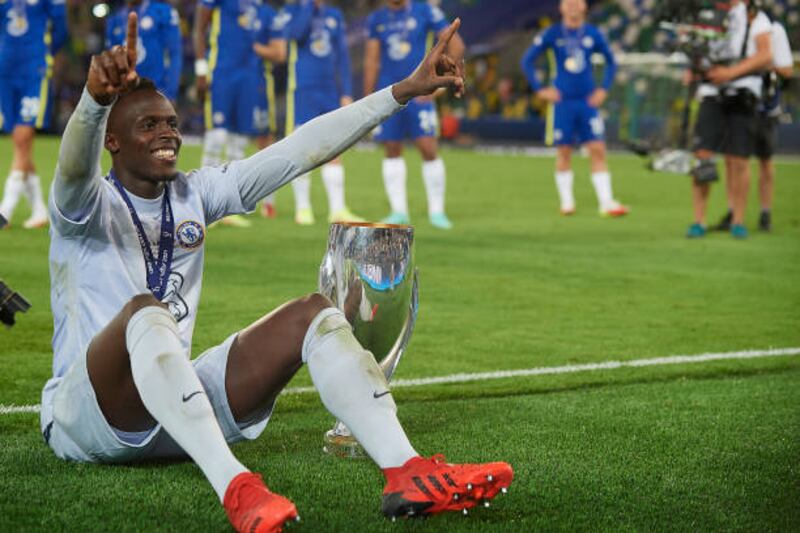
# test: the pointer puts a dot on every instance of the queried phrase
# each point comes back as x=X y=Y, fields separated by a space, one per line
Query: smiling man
x=126 y=267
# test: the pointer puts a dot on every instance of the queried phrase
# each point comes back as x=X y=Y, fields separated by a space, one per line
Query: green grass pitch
x=711 y=446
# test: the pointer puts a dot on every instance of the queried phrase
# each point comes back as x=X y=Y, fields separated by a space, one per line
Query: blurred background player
x=160 y=51
x=31 y=33
x=235 y=81
x=726 y=120
x=576 y=100
x=399 y=35
x=769 y=112
x=319 y=81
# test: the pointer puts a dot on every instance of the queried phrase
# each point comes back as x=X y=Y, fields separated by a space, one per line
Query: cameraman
x=769 y=112
x=727 y=118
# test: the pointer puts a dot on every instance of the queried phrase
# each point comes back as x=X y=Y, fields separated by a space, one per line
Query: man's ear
x=111 y=143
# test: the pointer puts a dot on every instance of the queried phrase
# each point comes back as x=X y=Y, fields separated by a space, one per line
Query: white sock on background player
x=602 y=187
x=434 y=176
x=12 y=191
x=237 y=144
x=394 y=179
x=33 y=193
x=564 y=181
x=213 y=146
x=173 y=394
x=302 y=192
x=352 y=387
x=333 y=179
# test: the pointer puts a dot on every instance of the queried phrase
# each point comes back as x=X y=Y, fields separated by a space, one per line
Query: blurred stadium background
x=645 y=102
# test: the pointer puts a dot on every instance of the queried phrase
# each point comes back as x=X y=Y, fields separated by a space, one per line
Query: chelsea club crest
x=190 y=234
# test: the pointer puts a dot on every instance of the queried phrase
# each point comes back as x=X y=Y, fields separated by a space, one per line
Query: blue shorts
x=576 y=122
x=24 y=101
x=237 y=102
x=308 y=104
x=416 y=120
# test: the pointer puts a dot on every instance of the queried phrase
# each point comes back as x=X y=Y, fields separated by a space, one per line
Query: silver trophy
x=368 y=272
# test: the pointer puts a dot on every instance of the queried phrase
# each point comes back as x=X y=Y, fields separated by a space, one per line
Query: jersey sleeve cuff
x=89 y=106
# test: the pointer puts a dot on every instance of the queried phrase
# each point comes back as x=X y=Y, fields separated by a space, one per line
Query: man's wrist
x=402 y=93
x=201 y=67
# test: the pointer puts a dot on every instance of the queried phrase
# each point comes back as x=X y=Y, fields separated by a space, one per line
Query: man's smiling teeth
x=165 y=153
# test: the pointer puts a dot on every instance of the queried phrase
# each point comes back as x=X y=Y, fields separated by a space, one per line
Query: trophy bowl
x=368 y=272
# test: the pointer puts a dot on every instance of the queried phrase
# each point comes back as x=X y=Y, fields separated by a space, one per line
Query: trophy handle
x=390 y=362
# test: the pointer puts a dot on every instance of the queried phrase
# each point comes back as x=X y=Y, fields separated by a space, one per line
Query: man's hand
x=437 y=70
x=598 y=97
x=114 y=71
x=345 y=100
x=719 y=75
x=549 y=94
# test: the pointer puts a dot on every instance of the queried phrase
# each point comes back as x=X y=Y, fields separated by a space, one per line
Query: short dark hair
x=144 y=84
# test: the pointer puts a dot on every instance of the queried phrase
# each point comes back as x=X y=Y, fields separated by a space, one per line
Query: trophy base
x=340 y=443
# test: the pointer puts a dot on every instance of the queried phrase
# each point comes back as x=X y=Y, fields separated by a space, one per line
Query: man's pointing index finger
x=131 y=38
x=447 y=34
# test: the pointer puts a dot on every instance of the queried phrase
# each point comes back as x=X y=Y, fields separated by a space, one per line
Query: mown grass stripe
x=541 y=371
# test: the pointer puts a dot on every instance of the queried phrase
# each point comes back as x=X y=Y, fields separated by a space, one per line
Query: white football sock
x=237 y=144
x=302 y=192
x=14 y=188
x=168 y=386
x=270 y=199
x=33 y=192
x=602 y=187
x=433 y=173
x=333 y=179
x=213 y=145
x=394 y=179
x=564 y=180
x=352 y=386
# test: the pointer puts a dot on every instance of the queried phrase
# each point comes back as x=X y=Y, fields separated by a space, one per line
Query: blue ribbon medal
x=158 y=270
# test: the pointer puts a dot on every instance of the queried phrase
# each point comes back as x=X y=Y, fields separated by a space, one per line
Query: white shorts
x=80 y=432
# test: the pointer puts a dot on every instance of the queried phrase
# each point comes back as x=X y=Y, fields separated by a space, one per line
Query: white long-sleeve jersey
x=96 y=260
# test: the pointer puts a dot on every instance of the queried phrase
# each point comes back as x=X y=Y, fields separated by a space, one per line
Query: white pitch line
x=540 y=371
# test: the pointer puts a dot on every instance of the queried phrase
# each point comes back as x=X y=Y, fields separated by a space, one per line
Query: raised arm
x=78 y=170
x=325 y=137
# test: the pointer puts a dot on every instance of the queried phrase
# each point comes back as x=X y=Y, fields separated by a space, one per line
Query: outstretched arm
x=78 y=171
x=325 y=137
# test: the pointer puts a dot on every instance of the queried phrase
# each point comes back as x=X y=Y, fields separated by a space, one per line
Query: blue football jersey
x=235 y=26
x=30 y=32
x=573 y=49
x=159 y=50
x=404 y=35
x=318 y=55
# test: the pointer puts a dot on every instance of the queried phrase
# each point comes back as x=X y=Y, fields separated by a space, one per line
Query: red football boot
x=429 y=486
x=615 y=210
x=252 y=508
x=268 y=210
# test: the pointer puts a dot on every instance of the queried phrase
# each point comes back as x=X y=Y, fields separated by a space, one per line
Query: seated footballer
x=126 y=262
